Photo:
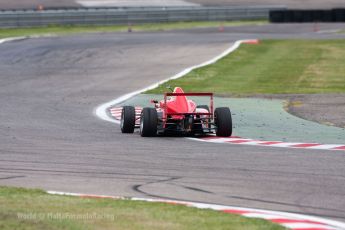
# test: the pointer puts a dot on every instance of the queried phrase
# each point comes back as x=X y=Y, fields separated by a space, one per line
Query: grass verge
x=65 y=30
x=272 y=67
x=35 y=209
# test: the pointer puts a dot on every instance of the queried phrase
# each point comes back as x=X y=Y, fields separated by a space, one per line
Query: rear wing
x=166 y=95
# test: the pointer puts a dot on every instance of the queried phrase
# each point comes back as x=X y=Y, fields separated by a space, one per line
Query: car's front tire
x=127 y=122
x=148 y=122
x=223 y=122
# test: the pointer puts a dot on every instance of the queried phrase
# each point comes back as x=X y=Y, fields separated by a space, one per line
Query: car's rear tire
x=223 y=122
x=148 y=122
x=127 y=119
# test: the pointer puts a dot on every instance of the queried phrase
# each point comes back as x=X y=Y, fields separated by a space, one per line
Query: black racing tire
x=148 y=122
x=127 y=119
x=223 y=122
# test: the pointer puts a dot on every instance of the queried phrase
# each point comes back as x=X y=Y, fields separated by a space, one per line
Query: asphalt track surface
x=50 y=139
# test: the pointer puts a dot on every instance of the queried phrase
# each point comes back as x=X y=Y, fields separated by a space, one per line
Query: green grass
x=64 y=30
x=35 y=209
x=272 y=67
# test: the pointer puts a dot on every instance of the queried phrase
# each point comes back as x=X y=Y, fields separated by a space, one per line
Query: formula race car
x=178 y=115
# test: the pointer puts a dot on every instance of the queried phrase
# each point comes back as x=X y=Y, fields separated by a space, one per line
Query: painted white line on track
x=12 y=39
x=3 y=40
x=285 y=144
x=325 y=146
x=288 y=220
x=101 y=111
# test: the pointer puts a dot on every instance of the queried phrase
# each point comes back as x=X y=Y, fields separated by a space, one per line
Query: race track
x=49 y=137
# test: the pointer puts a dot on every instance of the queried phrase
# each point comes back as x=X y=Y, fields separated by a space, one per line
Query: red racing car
x=178 y=115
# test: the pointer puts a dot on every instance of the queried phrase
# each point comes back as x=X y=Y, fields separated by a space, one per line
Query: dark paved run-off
x=305 y=4
x=326 y=109
x=50 y=139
